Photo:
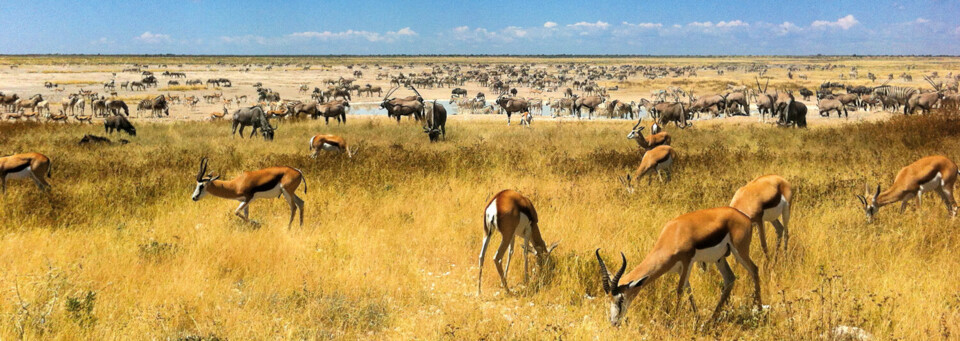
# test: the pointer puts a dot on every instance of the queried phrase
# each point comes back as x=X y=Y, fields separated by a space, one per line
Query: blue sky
x=480 y=27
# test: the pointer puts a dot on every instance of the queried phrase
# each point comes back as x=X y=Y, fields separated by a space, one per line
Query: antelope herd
x=707 y=236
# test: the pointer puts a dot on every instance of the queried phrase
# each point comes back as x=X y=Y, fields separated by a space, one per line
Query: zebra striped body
x=901 y=94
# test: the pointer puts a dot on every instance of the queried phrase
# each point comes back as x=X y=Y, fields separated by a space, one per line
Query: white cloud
x=406 y=31
x=549 y=24
x=515 y=31
x=388 y=37
x=587 y=25
x=461 y=29
x=153 y=38
x=844 y=23
x=787 y=27
x=701 y=24
x=734 y=23
x=642 y=25
x=922 y=21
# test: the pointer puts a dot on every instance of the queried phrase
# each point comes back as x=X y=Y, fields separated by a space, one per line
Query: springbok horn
x=203 y=168
x=623 y=267
x=604 y=274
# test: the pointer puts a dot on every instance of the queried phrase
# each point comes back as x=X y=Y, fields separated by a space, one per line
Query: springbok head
x=636 y=132
x=203 y=180
x=869 y=205
x=620 y=295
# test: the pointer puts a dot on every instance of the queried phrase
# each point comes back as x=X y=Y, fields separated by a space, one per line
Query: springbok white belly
x=773 y=213
x=523 y=227
x=330 y=147
x=708 y=255
x=22 y=174
x=665 y=164
x=713 y=253
x=933 y=184
x=268 y=194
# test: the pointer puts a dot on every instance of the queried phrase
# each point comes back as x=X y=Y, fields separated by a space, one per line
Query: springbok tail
x=304 y=180
x=49 y=168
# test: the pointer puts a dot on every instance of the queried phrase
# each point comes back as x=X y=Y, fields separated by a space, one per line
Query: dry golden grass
x=389 y=250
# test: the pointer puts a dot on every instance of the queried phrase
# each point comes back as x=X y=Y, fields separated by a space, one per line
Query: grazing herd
x=706 y=236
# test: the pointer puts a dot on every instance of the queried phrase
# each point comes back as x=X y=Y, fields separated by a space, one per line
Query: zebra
x=901 y=94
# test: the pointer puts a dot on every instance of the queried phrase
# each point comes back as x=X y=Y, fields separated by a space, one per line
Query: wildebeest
x=435 y=124
x=791 y=112
x=119 y=123
x=255 y=117
x=458 y=92
x=267 y=95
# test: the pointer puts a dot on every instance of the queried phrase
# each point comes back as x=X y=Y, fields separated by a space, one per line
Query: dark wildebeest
x=253 y=116
x=435 y=124
x=458 y=92
x=119 y=123
x=790 y=111
x=267 y=95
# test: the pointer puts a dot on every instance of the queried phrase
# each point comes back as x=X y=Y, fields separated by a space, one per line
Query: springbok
x=932 y=173
x=648 y=142
x=658 y=159
x=526 y=119
x=514 y=216
x=264 y=183
x=766 y=198
x=22 y=166
x=331 y=143
x=701 y=236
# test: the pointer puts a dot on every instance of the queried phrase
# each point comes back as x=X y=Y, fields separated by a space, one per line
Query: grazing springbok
x=766 y=198
x=514 y=216
x=648 y=142
x=658 y=159
x=932 y=173
x=23 y=166
x=526 y=119
x=330 y=143
x=701 y=236
x=265 y=183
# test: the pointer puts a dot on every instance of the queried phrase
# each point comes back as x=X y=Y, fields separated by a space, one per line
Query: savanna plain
x=118 y=250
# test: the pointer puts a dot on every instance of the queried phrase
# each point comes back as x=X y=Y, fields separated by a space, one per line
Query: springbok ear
x=552 y=246
x=637 y=283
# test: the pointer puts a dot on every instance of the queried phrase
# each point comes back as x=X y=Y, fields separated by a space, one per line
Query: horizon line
x=480 y=55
